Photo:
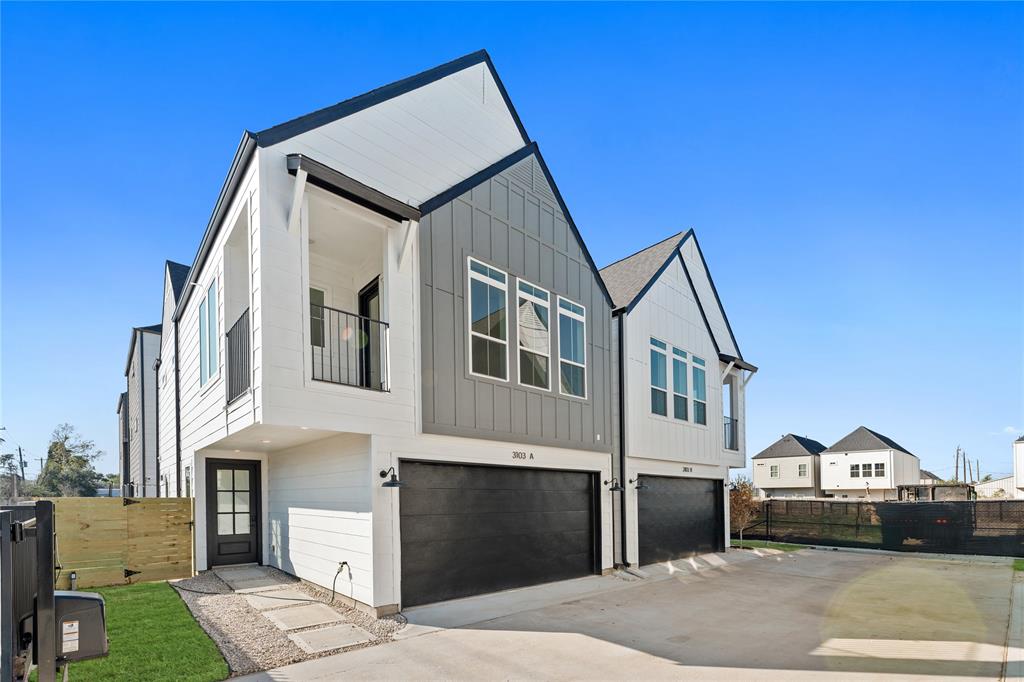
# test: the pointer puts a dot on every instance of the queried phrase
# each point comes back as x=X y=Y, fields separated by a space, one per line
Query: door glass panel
x=224 y=502
x=241 y=502
x=223 y=479
x=241 y=479
x=241 y=524
x=224 y=524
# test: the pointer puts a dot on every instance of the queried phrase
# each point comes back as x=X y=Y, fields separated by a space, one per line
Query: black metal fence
x=349 y=349
x=238 y=357
x=731 y=435
x=994 y=527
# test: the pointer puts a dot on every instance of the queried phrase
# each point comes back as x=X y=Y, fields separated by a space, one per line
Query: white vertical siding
x=205 y=418
x=668 y=312
x=319 y=513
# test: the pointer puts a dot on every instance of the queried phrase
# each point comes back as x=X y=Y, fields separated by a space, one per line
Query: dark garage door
x=474 y=529
x=679 y=517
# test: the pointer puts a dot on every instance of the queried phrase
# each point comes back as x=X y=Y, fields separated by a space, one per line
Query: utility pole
x=956 y=465
x=21 y=463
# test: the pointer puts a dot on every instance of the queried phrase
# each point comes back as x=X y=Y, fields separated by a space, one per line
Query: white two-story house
x=1018 y=468
x=679 y=403
x=867 y=465
x=789 y=467
x=391 y=359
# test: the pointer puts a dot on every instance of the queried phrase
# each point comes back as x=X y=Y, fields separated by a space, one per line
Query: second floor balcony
x=348 y=348
x=731 y=435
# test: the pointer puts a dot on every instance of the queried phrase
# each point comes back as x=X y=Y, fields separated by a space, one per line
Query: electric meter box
x=81 y=625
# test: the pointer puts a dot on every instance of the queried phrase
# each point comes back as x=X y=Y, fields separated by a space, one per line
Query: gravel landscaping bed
x=251 y=643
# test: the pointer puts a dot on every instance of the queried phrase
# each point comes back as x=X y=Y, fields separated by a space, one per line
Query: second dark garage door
x=679 y=517
x=468 y=530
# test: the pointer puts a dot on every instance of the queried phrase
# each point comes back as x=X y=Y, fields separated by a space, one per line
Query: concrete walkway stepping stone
x=273 y=599
x=306 y=616
x=327 y=639
x=250 y=578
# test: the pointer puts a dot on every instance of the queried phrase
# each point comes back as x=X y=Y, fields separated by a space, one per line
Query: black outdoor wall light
x=393 y=482
x=616 y=488
x=640 y=485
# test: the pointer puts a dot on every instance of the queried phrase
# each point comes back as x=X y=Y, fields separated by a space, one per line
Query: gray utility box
x=81 y=625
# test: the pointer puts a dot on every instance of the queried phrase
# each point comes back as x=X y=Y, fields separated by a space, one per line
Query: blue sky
x=855 y=174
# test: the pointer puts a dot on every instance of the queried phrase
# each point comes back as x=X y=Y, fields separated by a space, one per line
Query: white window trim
x=773 y=471
x=214 y=375
x=547 y=306
x=673 y=358
x=801 y=468
x=582 y=318
x=665 y=354
x=693 y=389
x=858 y=470
x=469 y=318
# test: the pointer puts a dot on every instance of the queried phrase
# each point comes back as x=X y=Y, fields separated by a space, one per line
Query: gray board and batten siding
x=511 y=220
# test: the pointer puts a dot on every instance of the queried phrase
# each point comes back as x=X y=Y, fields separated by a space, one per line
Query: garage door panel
x=485 y=501
x=429 y=528
x=469 y=529
x=679 y=517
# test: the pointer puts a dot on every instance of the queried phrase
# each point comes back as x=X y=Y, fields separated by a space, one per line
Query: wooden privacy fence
x=116 y=541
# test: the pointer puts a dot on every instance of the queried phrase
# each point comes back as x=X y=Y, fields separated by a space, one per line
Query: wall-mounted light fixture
x=615 y=486
x=393 y=482
x=640 y=485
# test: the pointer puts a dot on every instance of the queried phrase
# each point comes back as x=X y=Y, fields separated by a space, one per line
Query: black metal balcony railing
x=732 y=433
x=349 y=349
x=238 y=357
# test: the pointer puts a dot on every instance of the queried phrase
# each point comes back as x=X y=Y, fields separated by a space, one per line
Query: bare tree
x=743 y=503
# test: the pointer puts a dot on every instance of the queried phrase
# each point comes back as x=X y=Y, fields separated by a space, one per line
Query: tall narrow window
x=659 y=394
x=879 y=470
x=316 y=317
x=801 y=470
x=208 y=347
x=488 y=321
x=679 y=410
x=534 y=336
x=572 y=348
x=700 y=392
x=774 y=472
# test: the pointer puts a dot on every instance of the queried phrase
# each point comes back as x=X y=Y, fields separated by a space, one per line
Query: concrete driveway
x=802 y=615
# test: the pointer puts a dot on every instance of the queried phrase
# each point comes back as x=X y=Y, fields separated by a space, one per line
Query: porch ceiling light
x=392 y=482
x=615 y=486
x=640 y=485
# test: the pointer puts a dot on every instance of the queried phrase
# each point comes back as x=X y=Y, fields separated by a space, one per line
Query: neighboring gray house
x=789 y=467
x=139 y=459
x=123 y=437
x=679 y=403
x=928 y=477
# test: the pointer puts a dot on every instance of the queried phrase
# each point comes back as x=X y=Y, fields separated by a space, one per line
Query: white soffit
x=416 y=145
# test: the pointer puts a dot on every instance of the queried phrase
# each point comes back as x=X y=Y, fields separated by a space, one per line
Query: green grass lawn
x=764 y=544
x=1018 y=564
x=153 y=636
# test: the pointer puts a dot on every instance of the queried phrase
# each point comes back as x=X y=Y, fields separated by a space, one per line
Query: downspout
x=622 y=438
x=142 y=406
x=156 y=431
x=177 y=417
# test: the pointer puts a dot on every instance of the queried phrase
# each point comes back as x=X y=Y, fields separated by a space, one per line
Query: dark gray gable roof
x=927 y=474
x=629 y=278
x=862 y=438
x=313 y=120
x=791 y=446
x=178 y=273
x=1020 y=440
x=136 y=332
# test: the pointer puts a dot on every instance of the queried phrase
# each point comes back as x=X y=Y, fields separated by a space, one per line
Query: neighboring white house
x=137 y=412
x=789 y=467
x=867 y=465
x=681 y=403
x=1001 y=488
x=928 y=478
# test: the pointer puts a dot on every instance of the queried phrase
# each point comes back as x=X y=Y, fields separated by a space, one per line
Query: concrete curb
x=1013 y=653
x=918 y=555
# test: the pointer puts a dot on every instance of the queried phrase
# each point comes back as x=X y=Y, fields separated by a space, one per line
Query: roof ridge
x=680 y=235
